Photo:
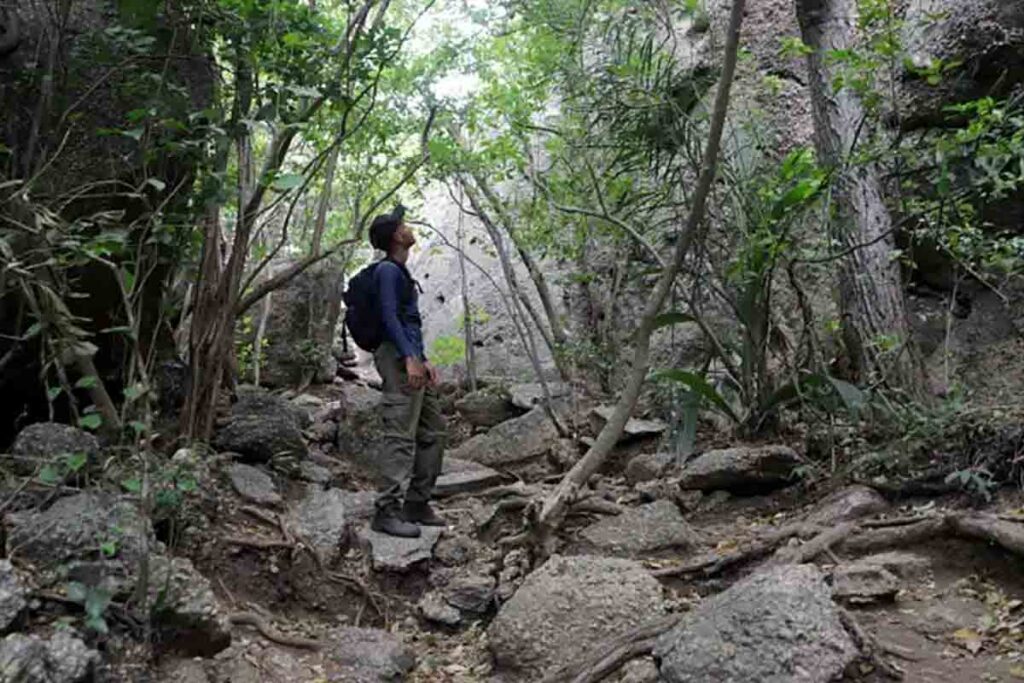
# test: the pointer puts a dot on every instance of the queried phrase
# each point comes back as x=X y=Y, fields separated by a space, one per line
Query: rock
x=485 y=408
x=847 y=505
x=777 y=625
x=30 y=659
x=903 y=564
x=641 y=530
x=323 y=517
x=186 y=608
x=513 y=441
x=634 y=429
x=366 y=655
x=860 y=583
x=311 y=472
x=744 y=469
x=182 y=671
x=74 y=527
x=391 y=553
x=434 y=608
x=527 y=396
x=253 y=484
x=473 y=593
x=262 y=427
x=642 y=670
x=12 y=595
x=307 y=402
x=43 y=442
x=567 y=606
x=464 y=476
x=649 y=466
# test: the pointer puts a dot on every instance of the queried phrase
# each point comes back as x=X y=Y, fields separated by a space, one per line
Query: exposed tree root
x=270 y=633
x=609 y=656
x=869 y=647
x=798 y=554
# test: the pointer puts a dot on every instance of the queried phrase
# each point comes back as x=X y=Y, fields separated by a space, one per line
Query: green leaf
x=135 y=133
x=133 y=485
x=52 y=393
x=87 y=382
x=49 y=475
x=76 y=461
x=92 y=421
x=33 y=330
x=109 y=549
x=288 y=181
x=98 y=624
x=138 y=427
x=187 y=485
x=77 y=592
x=853 y=398
x=672 y=318
x=697 y=384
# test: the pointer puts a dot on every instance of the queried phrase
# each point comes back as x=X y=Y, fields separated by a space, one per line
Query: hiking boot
x=422 y=514
x=390 y=523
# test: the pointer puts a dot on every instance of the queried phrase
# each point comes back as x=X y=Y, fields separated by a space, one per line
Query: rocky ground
x=262 y=566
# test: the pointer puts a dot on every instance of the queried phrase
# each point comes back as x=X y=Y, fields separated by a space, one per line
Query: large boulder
x=76 y=527
x=650 y=466
x=523 y=438
x=847 y=505
x=62 y=658
x=641 y=530
x=12 y=594
x=263 y=427
x=528 y=395
x=45 y=442
x=485 y=408
x=186 y=609
x=253 y=484
x=324 y=517
x=396 y=554
x=742 y=469
x=776 y=626
x=299 y=330
x=566 y=607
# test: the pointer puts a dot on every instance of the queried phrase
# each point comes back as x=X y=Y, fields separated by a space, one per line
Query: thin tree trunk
x=325 y=202
x=553 y=511
x=467 y=311
x=874 y=316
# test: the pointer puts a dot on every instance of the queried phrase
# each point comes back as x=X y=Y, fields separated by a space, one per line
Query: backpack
x=362 y=308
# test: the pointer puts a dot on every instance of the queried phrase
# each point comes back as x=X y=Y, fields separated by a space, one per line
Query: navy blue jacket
x=400 y=310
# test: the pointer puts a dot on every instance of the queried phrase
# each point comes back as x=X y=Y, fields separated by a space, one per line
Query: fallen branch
x=610 y=655
x=268 y=631
x=714 y=564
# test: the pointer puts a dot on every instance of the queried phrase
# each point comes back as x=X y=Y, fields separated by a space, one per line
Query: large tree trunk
x=874 y=317
x=553 y=511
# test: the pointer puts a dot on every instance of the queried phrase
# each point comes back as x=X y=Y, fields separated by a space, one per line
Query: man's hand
x=417 y=372
x=433 y=376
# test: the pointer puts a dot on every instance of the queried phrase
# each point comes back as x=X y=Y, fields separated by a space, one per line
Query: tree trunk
x=874 y=318
x=467 y=311
x=553 y=511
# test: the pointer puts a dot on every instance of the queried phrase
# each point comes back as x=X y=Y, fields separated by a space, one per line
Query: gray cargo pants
x=412 y=446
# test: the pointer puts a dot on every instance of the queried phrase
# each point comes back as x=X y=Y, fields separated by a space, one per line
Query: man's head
x=389 y=231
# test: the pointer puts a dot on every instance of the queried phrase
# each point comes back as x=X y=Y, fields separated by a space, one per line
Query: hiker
x=383 y=316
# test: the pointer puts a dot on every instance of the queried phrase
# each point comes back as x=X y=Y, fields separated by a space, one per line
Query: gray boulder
x=861 y=582
x=253 y=484
x=485 y=408
x=75 y=527
x=635 y=428
x=473 y=593
x=12 y=594
x=514 y=441
x=847 y=505
x=394 y=554
x=641 y=530
x=186 y=609
x=366 y=655
x=313 y=473
x=464 y=476
x=649 y=466
x=44 y=442
x=901 y=563
x=263 y=427
x=62 y=658
x=567 y=606
x=742 y=469
x=529 y=395
x=324 y=517
x=776 y=626
x=434 y=608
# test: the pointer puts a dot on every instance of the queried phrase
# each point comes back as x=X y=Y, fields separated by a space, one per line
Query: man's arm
x=389 y=283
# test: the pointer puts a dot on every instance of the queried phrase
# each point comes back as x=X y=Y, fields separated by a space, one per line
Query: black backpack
x=362 y=307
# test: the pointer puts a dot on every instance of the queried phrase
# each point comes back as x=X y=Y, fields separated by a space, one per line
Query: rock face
x=567 y=606
x=186 y=607
x=44 y=442
x=642 y=530
x=462 y=476
x=485 y=408
x=778 y=625
x=742 y=469
x=12 y=595
x=61 y=659
x=847 y=505
x=514 y=441
x=299 y=329
x=262 y=427
x=649 y=466
x=253 y=484
x=75 y=527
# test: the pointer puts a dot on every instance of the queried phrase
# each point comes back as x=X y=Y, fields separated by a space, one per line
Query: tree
x=875 y=327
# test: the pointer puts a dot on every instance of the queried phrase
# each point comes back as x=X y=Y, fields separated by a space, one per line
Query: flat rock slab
x=529 y=395
x=324 y=517
x=517 y=440
x=463 y=476
x=485 y=408
x=395 y=554
x=566 y=607
x=253 y=484
x=742 y=469
x=860 y=582
x=776 y=626
x=641 y=530
x=847 y=505
x=649 y=466
x=903 y=564
x=634 y=429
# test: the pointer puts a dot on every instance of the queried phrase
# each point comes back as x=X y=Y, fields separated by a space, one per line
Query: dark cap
x=383 y=228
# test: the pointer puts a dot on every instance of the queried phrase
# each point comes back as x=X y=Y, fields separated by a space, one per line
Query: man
x=415 y=431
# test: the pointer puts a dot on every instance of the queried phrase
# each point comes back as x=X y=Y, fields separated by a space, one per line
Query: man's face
x=404 y=236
